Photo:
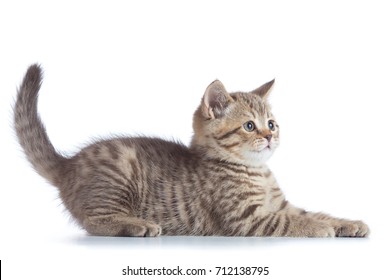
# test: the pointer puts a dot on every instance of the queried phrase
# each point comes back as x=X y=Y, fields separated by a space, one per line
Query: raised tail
x=30 y=130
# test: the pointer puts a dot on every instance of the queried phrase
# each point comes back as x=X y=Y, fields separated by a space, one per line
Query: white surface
x=116 y=67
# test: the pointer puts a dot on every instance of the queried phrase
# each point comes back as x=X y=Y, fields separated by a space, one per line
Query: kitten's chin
x=256 y=158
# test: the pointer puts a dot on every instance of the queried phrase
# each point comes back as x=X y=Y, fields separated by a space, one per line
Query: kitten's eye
x=249 y=126
x=271 y=125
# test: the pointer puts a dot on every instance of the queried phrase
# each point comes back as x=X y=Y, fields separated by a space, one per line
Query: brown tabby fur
x=219 y=185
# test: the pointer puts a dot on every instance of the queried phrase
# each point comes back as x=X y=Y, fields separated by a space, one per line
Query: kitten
x=139 y=186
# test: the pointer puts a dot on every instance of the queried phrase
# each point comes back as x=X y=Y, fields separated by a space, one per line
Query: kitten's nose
x=268 y=137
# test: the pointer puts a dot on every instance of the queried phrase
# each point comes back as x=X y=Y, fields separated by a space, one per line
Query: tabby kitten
x=139 y=186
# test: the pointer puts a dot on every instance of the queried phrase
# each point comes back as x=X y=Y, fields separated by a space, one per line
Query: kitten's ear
x=264 y=90
x=215 y=100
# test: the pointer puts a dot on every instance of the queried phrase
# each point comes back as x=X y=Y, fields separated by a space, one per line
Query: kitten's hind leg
x=119 y=225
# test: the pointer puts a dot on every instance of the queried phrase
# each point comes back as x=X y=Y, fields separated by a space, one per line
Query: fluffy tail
x=30 y=130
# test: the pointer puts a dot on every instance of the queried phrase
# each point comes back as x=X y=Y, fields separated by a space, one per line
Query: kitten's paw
x=144 y=229
x=352 y=229
x=153 y=230
x=149 y=230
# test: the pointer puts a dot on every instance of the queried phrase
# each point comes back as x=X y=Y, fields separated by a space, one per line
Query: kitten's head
x=237 y=127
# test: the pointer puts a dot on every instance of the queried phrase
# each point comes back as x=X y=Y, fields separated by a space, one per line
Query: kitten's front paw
x=352 y=229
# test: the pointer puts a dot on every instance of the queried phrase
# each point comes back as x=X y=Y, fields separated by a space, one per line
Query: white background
x=142 y=67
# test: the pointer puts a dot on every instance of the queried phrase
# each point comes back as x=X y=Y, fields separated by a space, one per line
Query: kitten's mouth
x=260 y=150
x=268 y=146
x=263 y=147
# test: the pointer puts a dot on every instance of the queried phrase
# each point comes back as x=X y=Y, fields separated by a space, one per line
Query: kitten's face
x=236 y=127
x=257 y=134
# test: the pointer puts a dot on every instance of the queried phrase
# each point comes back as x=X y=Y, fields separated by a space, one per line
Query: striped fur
x=219 y=185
